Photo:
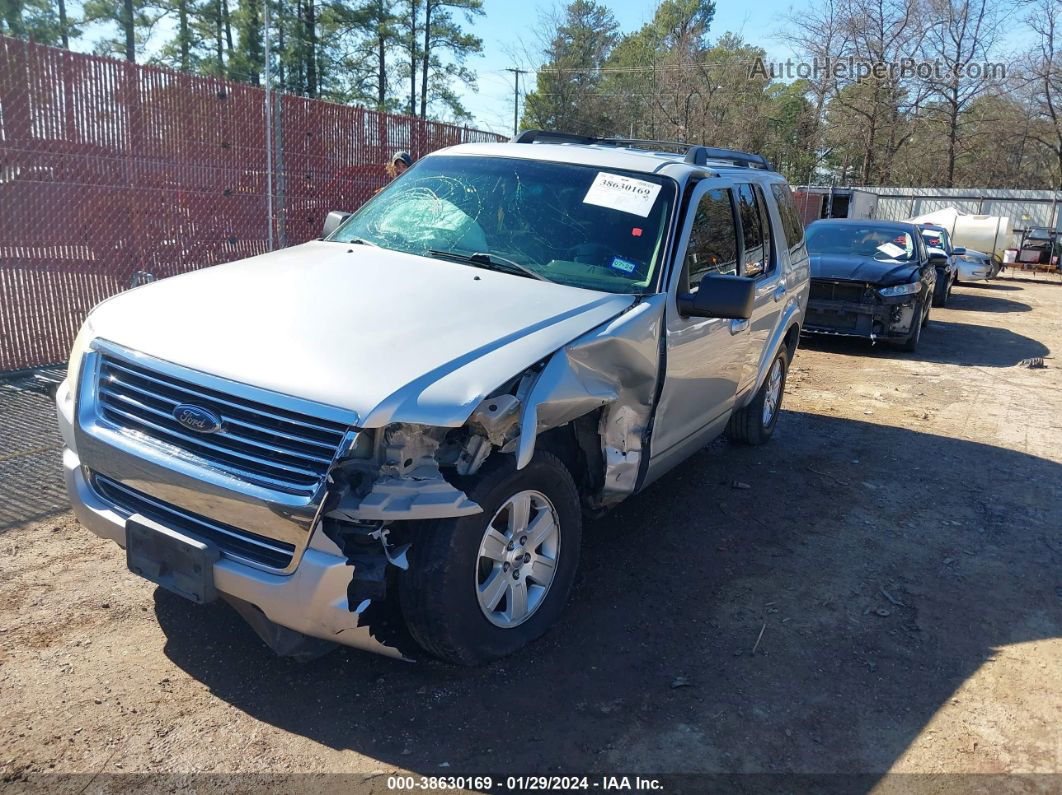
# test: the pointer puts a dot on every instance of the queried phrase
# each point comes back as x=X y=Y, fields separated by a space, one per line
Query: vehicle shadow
x=984 y=302
x=944 y=342
x=785 y=596
x=993 y=286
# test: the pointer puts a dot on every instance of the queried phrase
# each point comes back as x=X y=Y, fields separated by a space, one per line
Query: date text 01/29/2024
x=523 y=783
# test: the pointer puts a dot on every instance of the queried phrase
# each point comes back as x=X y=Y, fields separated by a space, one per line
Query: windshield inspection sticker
x=626 y=194
x=624 y=265
x=890 y=250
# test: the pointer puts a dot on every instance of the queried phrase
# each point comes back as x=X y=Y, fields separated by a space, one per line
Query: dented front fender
x=615 y=367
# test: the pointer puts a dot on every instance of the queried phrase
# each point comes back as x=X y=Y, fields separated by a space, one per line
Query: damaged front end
x=592 y=399
x=859 y=309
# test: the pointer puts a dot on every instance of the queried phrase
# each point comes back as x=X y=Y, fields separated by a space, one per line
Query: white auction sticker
x=891 y=250
x=626 y=194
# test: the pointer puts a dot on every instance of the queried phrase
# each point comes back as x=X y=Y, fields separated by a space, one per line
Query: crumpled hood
x=390 y=336
x=861 y=269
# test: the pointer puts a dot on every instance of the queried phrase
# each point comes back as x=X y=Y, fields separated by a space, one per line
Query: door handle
x=779 y=292
x=737 y=326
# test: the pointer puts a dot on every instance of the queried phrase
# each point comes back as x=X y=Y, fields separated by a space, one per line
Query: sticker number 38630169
x=626 y=194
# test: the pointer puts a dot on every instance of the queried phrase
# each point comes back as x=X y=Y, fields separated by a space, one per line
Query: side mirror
x=720 y=296
x=938 y=258
x=958 y=251
x=332 y=221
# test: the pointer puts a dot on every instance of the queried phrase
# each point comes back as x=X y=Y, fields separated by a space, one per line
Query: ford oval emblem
x=197 y=418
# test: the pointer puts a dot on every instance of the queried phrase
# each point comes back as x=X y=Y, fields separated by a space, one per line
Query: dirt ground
x=877 y=590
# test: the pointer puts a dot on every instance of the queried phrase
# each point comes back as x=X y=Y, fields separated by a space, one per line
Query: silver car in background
x=975 y=266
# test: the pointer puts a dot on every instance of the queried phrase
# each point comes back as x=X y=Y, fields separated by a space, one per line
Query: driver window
x=713 y=239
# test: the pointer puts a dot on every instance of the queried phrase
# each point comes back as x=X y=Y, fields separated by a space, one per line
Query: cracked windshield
x=574 y=225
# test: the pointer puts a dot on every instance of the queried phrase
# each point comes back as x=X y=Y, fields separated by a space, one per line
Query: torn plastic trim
x=615 y=368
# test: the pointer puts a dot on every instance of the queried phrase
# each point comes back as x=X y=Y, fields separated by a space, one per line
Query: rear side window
x=757 y=249
x=792 y=227
x=713 y=239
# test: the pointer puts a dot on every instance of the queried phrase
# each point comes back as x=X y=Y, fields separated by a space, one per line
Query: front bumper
x=885 y=320
x=310 y=600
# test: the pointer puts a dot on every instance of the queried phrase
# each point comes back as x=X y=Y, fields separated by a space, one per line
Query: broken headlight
x=900 y=289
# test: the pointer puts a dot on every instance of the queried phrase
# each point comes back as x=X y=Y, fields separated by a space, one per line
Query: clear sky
x=510 y=27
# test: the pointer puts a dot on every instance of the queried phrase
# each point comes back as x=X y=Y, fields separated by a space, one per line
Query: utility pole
x=516 y=97
x=266 y=74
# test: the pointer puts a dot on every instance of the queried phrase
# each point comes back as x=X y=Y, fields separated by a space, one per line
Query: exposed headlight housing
x=900 y=289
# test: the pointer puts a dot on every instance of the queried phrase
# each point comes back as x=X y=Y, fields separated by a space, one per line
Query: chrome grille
x=231 y=540
x=262 y=444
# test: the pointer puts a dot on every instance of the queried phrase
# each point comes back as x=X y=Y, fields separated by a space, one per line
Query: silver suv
x=391 y=434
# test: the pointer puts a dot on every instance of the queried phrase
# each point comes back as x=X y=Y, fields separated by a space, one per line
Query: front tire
x=911 y=343
x=755 y=423
x=481 y=587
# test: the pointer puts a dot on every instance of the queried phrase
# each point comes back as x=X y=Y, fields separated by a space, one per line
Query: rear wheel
x=480 y=587
x=755 y=423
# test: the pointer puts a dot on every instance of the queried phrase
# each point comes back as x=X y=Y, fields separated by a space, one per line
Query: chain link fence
x=112 y=173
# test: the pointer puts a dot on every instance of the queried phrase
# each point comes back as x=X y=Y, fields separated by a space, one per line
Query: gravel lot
x=879 y=589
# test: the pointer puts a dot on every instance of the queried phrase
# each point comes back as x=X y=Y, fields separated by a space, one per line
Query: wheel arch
x=786 y=336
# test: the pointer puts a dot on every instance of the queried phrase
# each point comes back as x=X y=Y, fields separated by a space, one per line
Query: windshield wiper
x=489 y=261
x=360 y=241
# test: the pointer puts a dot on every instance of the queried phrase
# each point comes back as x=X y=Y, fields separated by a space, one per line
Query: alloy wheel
x=773 y=395
x=517 y=559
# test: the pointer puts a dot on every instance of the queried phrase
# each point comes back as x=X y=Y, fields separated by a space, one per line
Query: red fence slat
x=108 y=168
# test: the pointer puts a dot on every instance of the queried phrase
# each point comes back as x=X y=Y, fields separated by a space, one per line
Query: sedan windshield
x=571 y=224
x=865 y=241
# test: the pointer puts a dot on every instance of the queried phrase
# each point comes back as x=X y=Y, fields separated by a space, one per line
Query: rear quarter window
x=792 y=227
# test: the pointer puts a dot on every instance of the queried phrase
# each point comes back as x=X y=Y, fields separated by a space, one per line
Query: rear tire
x=454 y=563
x=755 y=423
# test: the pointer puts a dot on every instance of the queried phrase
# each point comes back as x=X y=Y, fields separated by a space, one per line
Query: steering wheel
x=594 y=254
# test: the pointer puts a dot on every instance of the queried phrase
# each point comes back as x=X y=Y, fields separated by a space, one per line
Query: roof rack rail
x=549 y=136
x=695 y=153
x=699 y=155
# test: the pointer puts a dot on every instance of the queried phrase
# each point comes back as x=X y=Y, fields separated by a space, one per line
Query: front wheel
x=911 y=343
x=481 y=587
x=755 y=423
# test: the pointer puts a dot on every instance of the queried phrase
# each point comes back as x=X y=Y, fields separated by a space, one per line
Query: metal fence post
x=267 y=77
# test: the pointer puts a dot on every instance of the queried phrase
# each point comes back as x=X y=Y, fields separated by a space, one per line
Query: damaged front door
x=704 y=355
